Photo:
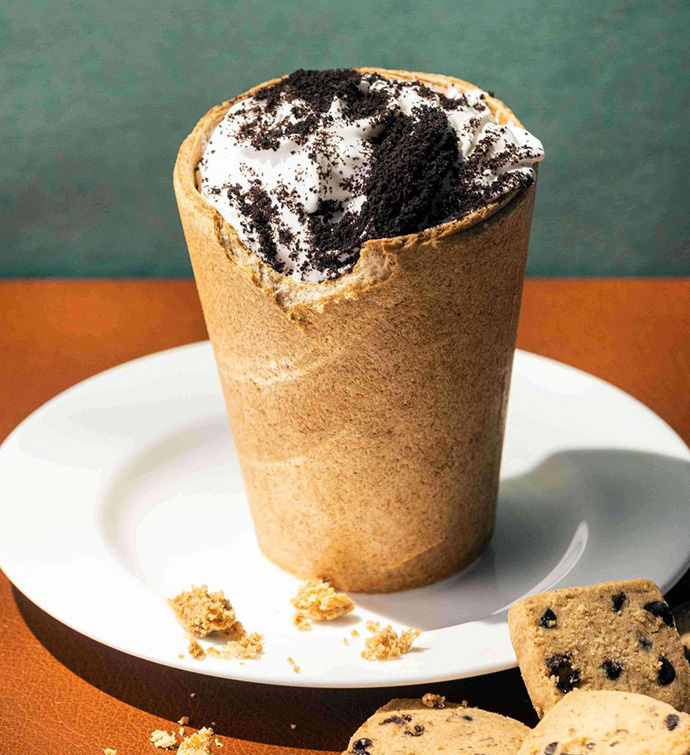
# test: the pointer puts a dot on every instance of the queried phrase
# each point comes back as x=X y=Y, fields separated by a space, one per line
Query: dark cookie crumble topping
x=416 y=176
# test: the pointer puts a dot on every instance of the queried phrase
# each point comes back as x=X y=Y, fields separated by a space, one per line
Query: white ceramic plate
x=125 y=489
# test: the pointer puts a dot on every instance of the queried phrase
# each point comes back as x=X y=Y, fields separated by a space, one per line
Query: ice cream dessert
x=359 y=241
x=310 y=168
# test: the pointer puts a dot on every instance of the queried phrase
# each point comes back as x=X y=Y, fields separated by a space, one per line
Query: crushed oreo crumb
x=671 y=721
x=548 y=620
x=550 y=749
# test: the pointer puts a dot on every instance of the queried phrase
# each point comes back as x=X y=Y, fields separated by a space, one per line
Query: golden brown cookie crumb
x=295 y=667
x=386 y=644
x=318 y=600
x=301 y=621
x=293 y=726
x=249 y=646
x=184 y=720
x=202 y=612
x=109 y=751
x=433 y=701
x=354 y=633
x=195 y=650
x=217 y=743
x=372 y=626
x=164 y=740
x=346 y=641
x=198 y=743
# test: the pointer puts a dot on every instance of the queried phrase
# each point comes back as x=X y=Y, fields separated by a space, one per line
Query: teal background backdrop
x=96 y=96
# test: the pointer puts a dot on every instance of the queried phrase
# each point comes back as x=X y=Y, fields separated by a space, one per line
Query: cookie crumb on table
x=293 y=726
x=295 y=667
x=184 y=720
x=354 y=633
x=372 y=626
x=198 y=743
x=218 y=743
x=202 y=612
x=318 y=600
x=385 y=644
x=433 y=701
x=109 y=751
x=164 y=740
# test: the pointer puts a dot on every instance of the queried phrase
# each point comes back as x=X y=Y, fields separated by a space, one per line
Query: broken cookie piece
x=409 y=727
x=385 y=644
x=318 y=600
x=202 y=612
x=612 y=636
x=603 y=723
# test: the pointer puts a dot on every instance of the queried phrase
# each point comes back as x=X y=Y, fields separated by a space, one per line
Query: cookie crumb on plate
x=202 y=612
x=196 y=651
x=385 y=644
x=318 y=600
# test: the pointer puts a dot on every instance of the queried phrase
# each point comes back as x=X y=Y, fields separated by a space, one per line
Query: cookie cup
x=368 y=411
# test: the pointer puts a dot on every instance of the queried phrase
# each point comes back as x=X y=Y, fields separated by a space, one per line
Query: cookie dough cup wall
x=368 y=411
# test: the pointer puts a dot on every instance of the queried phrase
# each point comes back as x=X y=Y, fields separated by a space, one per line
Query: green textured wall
x=96 y=96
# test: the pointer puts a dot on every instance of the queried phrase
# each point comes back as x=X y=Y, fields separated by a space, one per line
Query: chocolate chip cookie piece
x=598 y=723
x=614 y=636
x=409 y=727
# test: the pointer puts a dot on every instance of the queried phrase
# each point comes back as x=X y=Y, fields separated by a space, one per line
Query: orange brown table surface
x=62 y=693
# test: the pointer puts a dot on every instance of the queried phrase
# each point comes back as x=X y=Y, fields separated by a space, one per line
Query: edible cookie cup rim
x=378 y=258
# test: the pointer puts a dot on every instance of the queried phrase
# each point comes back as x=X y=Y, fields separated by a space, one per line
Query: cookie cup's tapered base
x=368 y=412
